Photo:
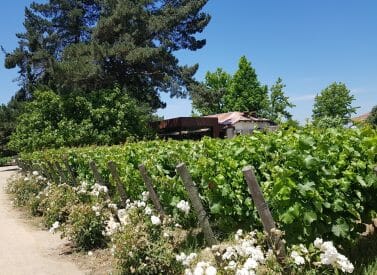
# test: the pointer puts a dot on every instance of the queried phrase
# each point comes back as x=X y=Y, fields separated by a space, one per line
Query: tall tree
x=49 y=29
x=335 y=101
x=92 y=44
x=372 y=119
x=246 y=93
x=8 y=118
x=135 y=40
x=208 y=97
x=279 y=102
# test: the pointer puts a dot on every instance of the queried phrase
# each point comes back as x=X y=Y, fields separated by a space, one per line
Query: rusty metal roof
x=361 y=118
x=234 y=117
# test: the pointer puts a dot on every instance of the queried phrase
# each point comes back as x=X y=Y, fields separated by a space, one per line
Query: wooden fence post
x=263 y=210
x=63 y=177
x=152 y=193
x=27 y=167
x=114 y=172
x=197 y=204
x=96 y=174
x=55 y=177
x=70 y=171
x=45 y=171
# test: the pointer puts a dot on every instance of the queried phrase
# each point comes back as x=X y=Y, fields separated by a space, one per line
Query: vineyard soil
x=23 y=249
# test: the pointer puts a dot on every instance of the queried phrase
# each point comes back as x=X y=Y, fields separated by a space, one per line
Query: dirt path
x=23 y=249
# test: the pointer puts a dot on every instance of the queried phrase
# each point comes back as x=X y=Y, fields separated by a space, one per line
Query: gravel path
x=24 y=249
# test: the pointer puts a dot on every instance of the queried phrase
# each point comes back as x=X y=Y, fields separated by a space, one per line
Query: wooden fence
x=57 y=173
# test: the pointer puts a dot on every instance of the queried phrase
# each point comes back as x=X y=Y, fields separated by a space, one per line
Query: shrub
x=56 y=203
x=140 y=248
x=249 y=254
x=25 y=188
x=4 y=161
x=53 y=121
x=85 y=227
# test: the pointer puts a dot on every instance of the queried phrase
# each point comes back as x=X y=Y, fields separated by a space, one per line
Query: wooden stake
x=63 y=177
x=152 y=193
x=55 y=177
x=46 y=171
x=96 y=174
x=70 y=171
x=114 y=172
x=263 y=210
x=197 y=204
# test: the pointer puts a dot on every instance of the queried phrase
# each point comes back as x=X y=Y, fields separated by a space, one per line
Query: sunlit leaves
x=316 y=182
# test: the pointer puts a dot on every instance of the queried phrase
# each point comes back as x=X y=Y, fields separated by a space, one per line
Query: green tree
x=92 y=44
x=279 y=102
x=208 y=97
x=246 y=93
x=102 y=117
x=335 y=101
x=372 y=119
x=49 y=29
x=8 y=117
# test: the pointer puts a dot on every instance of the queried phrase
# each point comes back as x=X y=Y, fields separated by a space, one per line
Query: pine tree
x=246 y=93
x=134 y=42
x=50 y=28
x=89 y=45
x=279 y=102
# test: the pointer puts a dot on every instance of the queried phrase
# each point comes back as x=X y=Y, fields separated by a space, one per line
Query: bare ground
x=24 y=249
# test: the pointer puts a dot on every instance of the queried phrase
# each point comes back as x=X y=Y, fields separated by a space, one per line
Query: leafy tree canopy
x=104 y=117
x=8 y=117
x=335 y=101
x=208 y=97
x=246 y=93
x=91 y=44
x=279 y=102
x=221 y=92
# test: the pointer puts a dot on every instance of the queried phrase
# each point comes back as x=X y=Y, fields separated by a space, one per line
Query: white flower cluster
x=184 y=206
x=112 y=206
x=202 y=268
x=185 y=259
x=298 y=259
x=82 y=188
x=54 y=226
x=331 y=256
x=145 y=195
x=33 y=176
x=97 y=209
x=244 y=256
x=112 y=227
x=123 y=216
x=155 y=220
x=148 y=211
x=135 y=204
x=41 y=178
x=298 y=255
x=97 y=189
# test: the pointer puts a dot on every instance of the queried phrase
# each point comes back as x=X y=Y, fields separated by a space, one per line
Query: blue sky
x=309 y=44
